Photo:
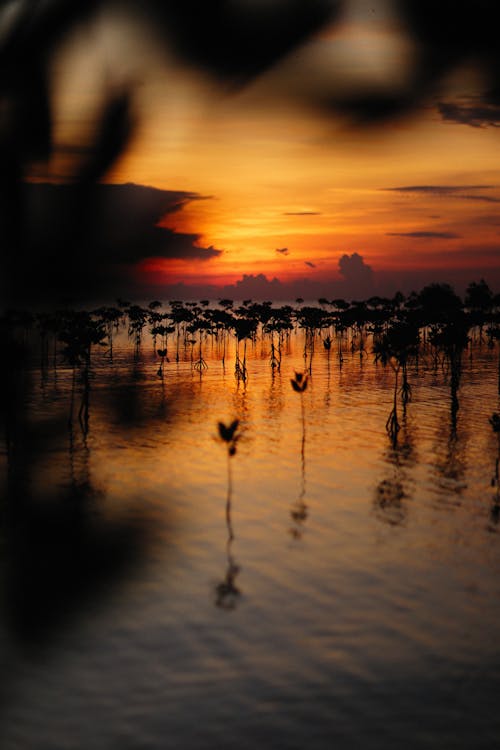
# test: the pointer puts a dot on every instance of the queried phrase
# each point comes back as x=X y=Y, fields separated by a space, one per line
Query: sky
x=354 y=162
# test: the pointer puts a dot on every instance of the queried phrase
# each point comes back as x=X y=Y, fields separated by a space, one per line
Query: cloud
x=302 y=213
x=75 y=249
x=123 y=226
x=480 y=198
x=357 y=274
x=437 y=189
x=310 y=264
x=478 y=115
x=283 y=250
x=451 y=191
x=425 y=235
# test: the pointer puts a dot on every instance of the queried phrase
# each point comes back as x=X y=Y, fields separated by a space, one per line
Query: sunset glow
x=250 y=381
x=284 y=188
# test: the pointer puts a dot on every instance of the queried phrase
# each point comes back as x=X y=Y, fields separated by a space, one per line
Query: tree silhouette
x=79 y=332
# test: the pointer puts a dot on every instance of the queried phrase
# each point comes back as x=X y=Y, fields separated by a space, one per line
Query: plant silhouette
x=395 y=347
x=79 y=332
x=299 y=510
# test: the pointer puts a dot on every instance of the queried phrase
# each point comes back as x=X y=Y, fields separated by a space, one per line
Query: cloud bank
x=462 y=192
x=64 y=253
x=425 y=235
x=476 y=115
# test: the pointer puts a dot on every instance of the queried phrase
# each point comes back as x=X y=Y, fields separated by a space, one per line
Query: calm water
x=348 y=596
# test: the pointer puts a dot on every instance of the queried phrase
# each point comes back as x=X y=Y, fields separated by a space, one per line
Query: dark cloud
x=358 y=281
x=283 y=250
x=62 y=253
x=425 y=235
x=450 y=191
x=310 y=264
x=476 y=115
x=480 y=198
x=438 y=189
x=386 y=283
x=301 y=213
x=357 y=274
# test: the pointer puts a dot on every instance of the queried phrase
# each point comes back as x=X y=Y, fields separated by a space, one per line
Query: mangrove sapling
x=244 y=329
x=79 y=333
x=137 y=319
x=200 y=363
x=227 y=592
x=110 y=318
x=339 y=331
x=299 y=508
x=395 y=347
x=392 y=425
x=275 y=359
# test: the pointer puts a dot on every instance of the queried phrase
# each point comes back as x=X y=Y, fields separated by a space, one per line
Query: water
x=348 y=596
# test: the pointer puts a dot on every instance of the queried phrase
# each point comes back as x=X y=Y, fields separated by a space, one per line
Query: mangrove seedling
x=299 y=508
x=229 y=435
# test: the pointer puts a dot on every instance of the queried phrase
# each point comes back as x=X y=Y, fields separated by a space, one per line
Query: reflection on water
x=393 y=492
x=495 y=480
x=227 y=592
x=379 y=628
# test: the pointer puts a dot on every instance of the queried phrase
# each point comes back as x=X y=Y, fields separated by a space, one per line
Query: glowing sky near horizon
x=275 y=174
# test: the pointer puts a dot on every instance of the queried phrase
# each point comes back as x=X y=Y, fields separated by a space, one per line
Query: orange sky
x=274 y=174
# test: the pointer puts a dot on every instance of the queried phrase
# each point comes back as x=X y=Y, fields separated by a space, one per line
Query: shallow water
x=347 y=596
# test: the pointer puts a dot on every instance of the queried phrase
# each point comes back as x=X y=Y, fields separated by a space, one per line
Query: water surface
x=348 y=596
